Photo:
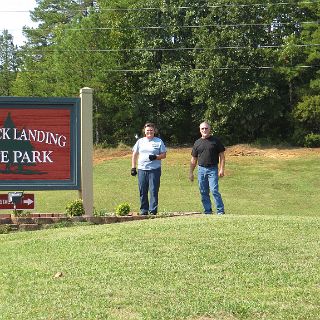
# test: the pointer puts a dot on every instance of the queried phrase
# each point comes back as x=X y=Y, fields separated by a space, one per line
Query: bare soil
x=242 y=150
x=101 y=155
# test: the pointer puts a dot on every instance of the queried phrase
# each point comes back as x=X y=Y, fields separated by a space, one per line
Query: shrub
x=123 y=209
x=312 y=140
x=306 y=118
x=75 y=208
x=307 y=113
x=21 y=213
x=4 y=229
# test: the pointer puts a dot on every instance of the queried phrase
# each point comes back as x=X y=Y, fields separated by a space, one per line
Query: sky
x=14 y=14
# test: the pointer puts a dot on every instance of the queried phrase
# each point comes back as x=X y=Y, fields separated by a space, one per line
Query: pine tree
x=8 y=63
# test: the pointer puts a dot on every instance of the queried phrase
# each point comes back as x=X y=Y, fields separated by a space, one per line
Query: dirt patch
x=242 y=150
x=100 y=155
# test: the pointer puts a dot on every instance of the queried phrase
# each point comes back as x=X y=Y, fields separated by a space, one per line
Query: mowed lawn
x=258 y=181
x=259 y=261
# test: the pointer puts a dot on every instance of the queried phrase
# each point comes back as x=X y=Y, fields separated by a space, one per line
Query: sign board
x=39 y=143
x=27 y=202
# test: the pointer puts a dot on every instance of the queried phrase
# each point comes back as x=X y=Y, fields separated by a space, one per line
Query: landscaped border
x=36 y=221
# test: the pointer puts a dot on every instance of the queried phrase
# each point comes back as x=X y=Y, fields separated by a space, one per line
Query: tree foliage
x=248 y=68
x=8 y=63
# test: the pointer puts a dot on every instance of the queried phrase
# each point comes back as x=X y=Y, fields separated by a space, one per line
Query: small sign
x=27 y=202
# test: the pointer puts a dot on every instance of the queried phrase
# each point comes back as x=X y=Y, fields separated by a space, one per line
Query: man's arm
x=193 y=164
x=222 y=161
x=161 y=156
x=134 y=159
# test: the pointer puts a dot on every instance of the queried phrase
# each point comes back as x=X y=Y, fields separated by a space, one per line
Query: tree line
x=251 y=69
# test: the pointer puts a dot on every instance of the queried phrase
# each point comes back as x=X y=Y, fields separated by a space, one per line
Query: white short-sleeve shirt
x=145 y=147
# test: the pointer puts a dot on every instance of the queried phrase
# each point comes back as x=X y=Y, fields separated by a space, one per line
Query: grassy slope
x=231 y=267
x=253 y=185
x=260 y=261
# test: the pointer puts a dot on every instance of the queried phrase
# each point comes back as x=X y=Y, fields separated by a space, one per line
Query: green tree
x=239 y=65
x=161 y=89
x=243 y=94
x=38 y=71
x=8 y=63
x=306 y=112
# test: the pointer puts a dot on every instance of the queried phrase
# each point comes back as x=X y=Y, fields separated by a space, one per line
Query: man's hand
x=221 y=173
x=133 y=172
x=191 y=176
x=152 y=157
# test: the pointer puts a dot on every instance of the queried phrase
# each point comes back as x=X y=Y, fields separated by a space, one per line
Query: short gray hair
x=205 y=122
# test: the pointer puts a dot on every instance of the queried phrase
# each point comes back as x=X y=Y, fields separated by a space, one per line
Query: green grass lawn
x=252 y=185
x=259 y=261
x=230 y=267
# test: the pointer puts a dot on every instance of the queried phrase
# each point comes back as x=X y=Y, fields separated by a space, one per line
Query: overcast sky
x=14 y=14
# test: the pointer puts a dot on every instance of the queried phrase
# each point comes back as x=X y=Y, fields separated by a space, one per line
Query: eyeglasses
x=204 y=128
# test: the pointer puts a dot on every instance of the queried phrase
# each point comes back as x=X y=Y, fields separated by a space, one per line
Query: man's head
x=205 y=129
x=149 y=130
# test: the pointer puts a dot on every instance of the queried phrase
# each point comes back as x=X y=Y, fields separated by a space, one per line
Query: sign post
x=86 y=191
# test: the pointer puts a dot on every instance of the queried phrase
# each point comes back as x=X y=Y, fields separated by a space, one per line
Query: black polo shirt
x=207 y=151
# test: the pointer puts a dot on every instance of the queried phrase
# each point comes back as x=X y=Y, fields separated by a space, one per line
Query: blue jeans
x=208 y=180
x=149 y=181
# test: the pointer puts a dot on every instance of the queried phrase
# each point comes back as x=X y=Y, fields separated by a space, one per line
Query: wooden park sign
x=40 y=143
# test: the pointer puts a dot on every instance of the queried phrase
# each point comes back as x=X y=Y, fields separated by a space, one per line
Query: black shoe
x=143 y=213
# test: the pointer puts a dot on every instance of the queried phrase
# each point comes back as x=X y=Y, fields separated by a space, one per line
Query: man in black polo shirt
x=208 y=152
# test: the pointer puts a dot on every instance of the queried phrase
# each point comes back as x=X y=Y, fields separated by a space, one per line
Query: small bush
x=4 y=229
x=312 y=140
x=75 y=208
x=21 y=213
x=123 y=209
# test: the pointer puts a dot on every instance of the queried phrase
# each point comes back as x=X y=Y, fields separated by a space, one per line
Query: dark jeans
x=149 y=181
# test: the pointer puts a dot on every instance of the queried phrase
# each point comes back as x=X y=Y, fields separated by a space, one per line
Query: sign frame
x=74 y=106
